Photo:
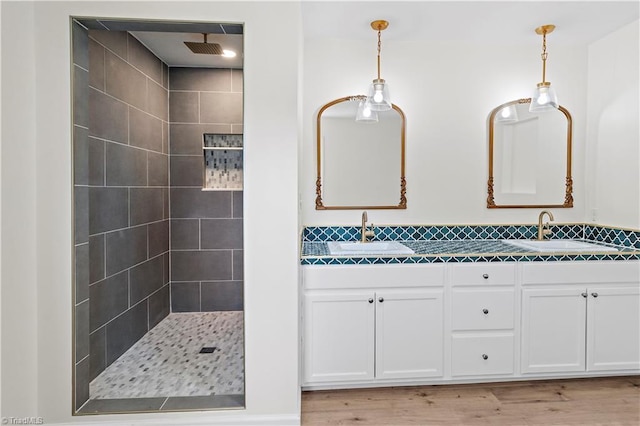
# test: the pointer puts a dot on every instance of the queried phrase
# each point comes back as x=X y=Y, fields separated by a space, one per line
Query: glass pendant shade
x=365 y=114
x=544 y=98
x=507 y=114
x=378 y=97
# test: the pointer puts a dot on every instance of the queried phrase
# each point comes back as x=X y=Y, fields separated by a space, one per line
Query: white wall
x=37 y=206
x=0 y=223
x=447 y=93
x=18 y=244
x=613 y=132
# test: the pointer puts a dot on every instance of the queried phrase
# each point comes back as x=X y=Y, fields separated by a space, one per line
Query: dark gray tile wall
x=206 y=226
x=127 y=187
x=133 y=264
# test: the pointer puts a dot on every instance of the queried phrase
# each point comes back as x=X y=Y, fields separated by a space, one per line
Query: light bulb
x=228 y=53
x=505 y=113
x=366 y=112
x=543 y=99
x=377 y=96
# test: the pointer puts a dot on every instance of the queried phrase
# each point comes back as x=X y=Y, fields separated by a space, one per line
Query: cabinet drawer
x=482 y=309
x=372 y=276
x=482 y=355
x=585 y=272
x=483 y=274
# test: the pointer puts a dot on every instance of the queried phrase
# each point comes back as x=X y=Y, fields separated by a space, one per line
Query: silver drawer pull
x=371 y=300
x=381 y=299
x=485 y=311
x=485 y=356
x=594 y=294
x=485 y=276
x=584 y=295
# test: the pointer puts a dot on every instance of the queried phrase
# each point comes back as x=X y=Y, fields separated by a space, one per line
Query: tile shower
x=153 y=249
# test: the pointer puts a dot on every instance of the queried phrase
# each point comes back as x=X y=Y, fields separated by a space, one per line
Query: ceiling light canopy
x=544 y=97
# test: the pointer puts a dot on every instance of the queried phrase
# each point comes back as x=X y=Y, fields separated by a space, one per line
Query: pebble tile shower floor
x=167 y=360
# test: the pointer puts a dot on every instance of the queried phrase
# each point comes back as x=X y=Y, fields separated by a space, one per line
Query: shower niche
x=158 y=210
x=223 y=161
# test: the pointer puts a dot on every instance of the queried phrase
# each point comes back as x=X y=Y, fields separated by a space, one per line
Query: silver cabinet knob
x=371 y=300
x=485 y=356
x=381 y=299
x=594 y=294
x=485 y=311
x=485 y=276
x=584 y=295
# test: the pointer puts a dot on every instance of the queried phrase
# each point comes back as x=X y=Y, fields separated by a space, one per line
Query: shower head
x=204 y=48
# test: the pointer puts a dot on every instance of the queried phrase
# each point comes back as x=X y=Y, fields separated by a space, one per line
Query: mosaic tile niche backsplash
x=223 y=161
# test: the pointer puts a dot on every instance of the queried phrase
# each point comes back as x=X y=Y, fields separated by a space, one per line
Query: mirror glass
x=360 y=164
x=529 y=157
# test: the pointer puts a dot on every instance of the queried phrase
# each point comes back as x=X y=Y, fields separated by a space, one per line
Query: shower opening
x=158 y=319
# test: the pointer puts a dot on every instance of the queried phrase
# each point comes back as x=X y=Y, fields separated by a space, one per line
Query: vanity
x=469 y=306
x=408 y=305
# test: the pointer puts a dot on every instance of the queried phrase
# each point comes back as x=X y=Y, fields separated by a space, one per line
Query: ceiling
x=170 y=47
x=166 y=39
x=481 y=22
x=505 y=22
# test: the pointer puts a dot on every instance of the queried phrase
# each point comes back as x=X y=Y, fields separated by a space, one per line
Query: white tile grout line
x=163 y=404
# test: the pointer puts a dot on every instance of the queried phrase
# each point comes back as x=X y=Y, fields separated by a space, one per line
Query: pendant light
x=378 y=96
x=544 y=97
x=365 y=114
x=508 y=114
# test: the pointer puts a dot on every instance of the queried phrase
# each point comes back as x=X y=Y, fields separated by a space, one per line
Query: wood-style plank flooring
x=611 y=401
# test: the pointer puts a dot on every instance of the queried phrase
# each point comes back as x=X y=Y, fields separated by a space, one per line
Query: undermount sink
x=375 y=247
x=559 y=245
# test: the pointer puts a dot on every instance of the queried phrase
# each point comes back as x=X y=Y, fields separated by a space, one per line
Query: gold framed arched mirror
x=529 y=157
x=360 y=164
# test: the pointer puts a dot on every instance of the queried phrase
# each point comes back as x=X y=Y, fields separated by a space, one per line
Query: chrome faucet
x=364 y=232
x=544 y=229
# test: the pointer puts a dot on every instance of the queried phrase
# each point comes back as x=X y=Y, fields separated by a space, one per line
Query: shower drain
x=207 y=349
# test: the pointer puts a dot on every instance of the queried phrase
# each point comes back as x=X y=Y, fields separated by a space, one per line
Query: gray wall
x=206 y=226
x=123 y=232
x=127 y=149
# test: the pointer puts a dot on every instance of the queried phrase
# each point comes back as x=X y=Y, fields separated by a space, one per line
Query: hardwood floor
x=600 y=401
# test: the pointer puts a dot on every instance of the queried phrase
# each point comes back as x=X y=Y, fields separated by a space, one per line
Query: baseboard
x=187 y=420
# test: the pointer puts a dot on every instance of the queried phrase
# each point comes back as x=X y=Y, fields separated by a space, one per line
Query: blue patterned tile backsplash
x=466 y=243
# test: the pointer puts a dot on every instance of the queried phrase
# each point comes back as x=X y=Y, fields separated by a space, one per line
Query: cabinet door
x=409 y=334
x=338 y=336
x=613 y=328
x=553 y=330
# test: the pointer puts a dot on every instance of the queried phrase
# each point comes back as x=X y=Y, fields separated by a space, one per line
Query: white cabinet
x=553 y=330
x=357 y=333
x=482 y=354
x=369 y=325
x=613 y=325
x=482 y=319
x=409 y=334
x=338 y=336
x=482 y=309
x=580 y=316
